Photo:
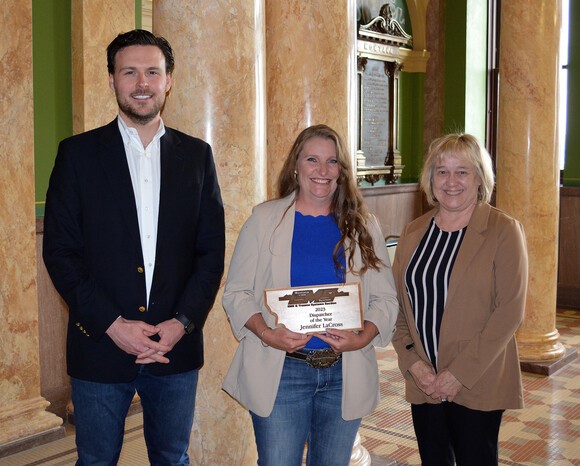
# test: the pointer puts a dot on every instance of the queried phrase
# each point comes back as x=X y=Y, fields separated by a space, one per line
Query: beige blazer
x=262 y=260
x=484 y=308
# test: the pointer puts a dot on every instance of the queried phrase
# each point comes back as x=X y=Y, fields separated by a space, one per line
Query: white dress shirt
x=145 y=168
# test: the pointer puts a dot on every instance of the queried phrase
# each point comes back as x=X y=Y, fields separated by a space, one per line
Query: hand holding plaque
x=313 y=309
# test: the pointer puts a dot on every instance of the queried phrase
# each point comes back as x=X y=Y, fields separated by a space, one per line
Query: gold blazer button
x=142 y=309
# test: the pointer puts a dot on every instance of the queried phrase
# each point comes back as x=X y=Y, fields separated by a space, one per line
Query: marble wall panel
x=311 y=72
x=394 y=206
x=94 y=26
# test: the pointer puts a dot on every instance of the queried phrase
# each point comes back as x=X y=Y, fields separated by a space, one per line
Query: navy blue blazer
x=92 y=248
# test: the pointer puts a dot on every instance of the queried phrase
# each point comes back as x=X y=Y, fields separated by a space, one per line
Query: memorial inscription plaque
x=374 y=113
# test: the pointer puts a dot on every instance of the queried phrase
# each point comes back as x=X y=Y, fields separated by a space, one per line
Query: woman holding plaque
x=309 y=386
x=461 y=271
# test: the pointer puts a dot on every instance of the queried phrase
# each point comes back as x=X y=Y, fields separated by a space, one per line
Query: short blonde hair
x=463 y=146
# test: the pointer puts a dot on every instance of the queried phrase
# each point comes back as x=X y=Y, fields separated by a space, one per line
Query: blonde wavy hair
x=350 y=211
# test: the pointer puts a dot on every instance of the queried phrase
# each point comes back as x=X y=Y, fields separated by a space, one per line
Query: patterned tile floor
x=546 y=432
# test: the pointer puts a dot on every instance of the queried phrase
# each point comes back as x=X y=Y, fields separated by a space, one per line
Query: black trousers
x=448 y=433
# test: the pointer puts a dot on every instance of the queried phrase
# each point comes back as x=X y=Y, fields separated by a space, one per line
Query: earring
x=295 y=172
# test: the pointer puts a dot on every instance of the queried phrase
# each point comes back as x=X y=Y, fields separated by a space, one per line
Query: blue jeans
x=101 y=408
x=307 y=409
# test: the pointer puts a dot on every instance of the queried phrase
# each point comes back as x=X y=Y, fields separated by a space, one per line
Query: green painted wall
x=476 y=68
x=52 y=86
x=455 y=65
x=411 y=123
x=572 y=163
x=138 y=15
x=465 y=66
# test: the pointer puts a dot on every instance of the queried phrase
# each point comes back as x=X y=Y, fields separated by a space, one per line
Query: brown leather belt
x=317 y=359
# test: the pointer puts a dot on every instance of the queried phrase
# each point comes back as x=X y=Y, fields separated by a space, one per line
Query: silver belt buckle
x=322 y=359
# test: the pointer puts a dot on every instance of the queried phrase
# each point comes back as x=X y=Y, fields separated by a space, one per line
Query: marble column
x=23 y=415
x=311 y=70
x=218 y=95
x=94 y=26
x=527 y=165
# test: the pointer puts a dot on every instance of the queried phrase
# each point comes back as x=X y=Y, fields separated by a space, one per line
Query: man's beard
x=141 y=119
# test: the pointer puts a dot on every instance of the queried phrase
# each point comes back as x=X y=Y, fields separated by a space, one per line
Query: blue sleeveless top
x=312 y=262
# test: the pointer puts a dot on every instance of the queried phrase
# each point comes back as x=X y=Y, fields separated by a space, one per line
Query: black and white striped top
x=427 y=282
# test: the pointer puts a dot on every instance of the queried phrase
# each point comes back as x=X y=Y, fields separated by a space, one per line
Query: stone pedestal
x=360 y=455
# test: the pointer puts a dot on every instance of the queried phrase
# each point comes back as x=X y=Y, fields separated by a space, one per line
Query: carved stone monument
x=379 y=64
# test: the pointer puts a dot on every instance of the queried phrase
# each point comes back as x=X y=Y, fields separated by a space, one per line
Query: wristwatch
x=187 y=323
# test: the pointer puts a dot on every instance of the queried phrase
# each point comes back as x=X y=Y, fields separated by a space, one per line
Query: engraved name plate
x=313 y=309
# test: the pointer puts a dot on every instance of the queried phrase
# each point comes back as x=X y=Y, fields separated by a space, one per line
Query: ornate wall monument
x=379 y=63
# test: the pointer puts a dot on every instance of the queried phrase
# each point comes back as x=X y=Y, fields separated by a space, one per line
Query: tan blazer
x=484 y=308
x=262 y=260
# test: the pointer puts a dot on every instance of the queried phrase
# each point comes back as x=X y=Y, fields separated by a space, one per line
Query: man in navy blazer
x=134 y=241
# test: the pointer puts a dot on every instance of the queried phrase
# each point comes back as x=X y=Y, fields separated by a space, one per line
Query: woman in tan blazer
x=461 y=272
x=303 y=388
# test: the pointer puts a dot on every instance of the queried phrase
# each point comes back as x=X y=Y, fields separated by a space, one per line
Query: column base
x=549 y=367
x=32 y=441
x=27 y=423
x=539 y=346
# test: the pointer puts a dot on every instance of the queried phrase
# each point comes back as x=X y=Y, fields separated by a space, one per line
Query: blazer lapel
x=281 y=244
x=114 y=161
x=171 y=173
x=471 y=243
x=412 y=239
